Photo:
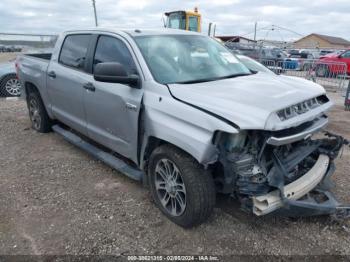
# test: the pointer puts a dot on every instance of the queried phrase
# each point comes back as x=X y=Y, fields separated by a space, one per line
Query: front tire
x=41 y=122
x=180 y=187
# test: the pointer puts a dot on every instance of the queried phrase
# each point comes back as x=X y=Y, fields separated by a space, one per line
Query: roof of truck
x=138 y=32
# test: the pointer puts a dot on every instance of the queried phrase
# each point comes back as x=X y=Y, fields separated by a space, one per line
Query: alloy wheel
x=13 y=87
x=170 y=187
x=34 y=113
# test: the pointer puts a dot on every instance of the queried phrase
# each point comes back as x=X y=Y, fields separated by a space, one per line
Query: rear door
x=112 y=109
x=65 y=81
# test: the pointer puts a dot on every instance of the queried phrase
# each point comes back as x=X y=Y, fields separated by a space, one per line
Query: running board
x=105 y=157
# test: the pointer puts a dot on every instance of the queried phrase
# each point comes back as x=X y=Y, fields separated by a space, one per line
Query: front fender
x=182 y=125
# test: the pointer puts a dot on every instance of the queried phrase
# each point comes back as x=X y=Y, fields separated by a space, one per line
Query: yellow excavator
x=185 y=20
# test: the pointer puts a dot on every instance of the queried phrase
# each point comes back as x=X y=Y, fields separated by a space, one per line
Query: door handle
x=52 y=74
x=89 y=86
x=131 y=106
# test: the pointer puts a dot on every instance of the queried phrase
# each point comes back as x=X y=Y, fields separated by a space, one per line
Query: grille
x=302 y=107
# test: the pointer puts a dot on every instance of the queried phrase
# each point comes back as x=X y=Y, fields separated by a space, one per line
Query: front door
x=112 y=109
x=345 y=58
x=65 y=82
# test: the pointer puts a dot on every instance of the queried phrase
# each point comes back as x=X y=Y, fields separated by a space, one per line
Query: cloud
x=232 y=17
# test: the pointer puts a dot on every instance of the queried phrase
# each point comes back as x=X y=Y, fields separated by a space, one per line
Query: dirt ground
x=5 y=57
x=55 y=199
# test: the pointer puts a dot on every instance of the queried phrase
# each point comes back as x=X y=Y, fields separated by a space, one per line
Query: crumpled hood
x=247 y=101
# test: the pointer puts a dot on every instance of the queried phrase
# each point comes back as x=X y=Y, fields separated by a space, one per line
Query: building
x=236 y=39
x=322 y=41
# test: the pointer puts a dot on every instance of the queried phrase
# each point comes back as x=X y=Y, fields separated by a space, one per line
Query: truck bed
x=45 y=56
x=33 y=68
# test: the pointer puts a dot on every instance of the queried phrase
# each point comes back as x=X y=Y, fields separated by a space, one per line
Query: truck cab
x=184 y=20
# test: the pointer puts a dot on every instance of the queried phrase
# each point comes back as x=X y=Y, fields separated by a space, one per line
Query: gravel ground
x=55 y=199
x=5 y=57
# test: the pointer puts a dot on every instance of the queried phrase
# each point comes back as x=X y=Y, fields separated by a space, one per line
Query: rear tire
x=41 y=121
x=180 y=187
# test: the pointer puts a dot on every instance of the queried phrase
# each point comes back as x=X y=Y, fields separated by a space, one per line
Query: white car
x=9 y=84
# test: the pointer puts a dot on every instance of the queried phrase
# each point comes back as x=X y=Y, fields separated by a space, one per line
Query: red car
x=333 y=64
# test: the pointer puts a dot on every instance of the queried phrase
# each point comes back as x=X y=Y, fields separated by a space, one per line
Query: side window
x=110 y=49
x=346 y=54
x=176 y=21
x=74 y=49
x=193 y=23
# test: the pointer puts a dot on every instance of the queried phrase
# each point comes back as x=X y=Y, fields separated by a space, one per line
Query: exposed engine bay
x=284 y=172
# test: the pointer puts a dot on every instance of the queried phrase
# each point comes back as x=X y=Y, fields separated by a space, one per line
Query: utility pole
x=255 y=28
x=94 y=6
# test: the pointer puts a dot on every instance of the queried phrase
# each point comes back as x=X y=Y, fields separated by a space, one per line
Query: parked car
x=270 y=57
x=188 y=119
x=333 y=64
x=254 y=65
x=333 y=53
x=299 y=64
x=300 y=59
x=311 y=53
x=293 y=52
x=250 y=50
x=326 y=52
x=10 y=49
x=9 y=84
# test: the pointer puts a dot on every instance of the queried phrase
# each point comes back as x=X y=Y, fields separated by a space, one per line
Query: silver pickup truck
x=179 y=112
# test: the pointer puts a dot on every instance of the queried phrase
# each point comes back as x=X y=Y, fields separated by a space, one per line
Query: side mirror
x=114 y=73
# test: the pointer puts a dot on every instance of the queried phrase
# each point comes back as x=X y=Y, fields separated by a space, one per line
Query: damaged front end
x=286 y=172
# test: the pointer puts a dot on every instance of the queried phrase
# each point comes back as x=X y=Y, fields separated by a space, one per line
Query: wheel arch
x=30 y=87
x=150 y=143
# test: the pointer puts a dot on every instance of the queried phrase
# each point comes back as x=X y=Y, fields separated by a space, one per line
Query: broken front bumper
x=307 y=196
x=268 y=203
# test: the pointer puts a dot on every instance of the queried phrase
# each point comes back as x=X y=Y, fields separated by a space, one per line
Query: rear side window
x=110 y=49
x=74 y=51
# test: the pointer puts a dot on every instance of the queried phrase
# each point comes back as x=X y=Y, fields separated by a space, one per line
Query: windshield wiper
x=212 y=79
x=235 y=75
x=197 y=81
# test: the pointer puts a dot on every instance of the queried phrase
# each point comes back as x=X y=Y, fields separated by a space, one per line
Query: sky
x=232 y=17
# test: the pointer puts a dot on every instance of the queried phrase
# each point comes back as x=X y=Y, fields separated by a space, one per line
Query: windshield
x=188 y=59
x=254 y=65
